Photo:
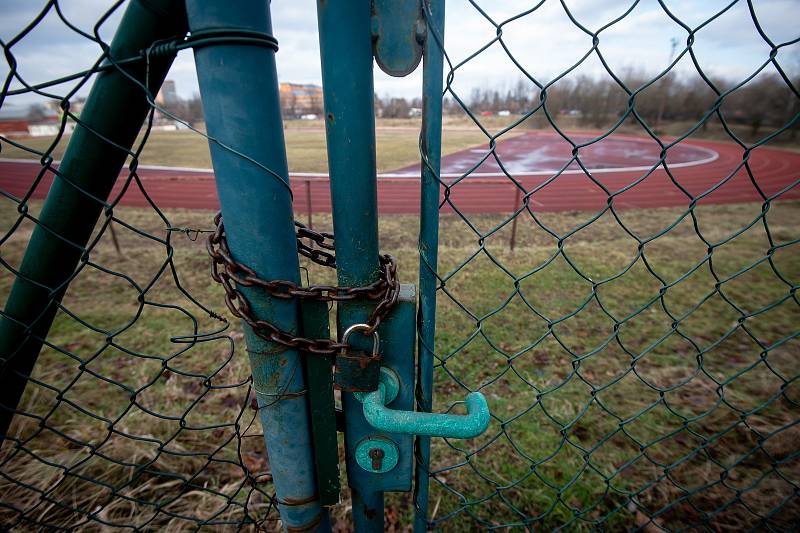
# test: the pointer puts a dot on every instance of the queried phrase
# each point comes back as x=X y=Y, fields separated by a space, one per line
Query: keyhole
x=376 y=454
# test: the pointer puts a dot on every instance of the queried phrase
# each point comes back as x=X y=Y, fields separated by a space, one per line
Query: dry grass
x=397 y=146
x=397 y=141
x=136 y=414
x=643 y=403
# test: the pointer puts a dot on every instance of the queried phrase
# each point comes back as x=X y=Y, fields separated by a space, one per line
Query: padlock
x=356 y=370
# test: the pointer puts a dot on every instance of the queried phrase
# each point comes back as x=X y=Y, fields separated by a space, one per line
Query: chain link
x=232 y=274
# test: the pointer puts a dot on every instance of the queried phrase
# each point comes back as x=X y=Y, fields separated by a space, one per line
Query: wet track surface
x=541 y=163
x=543 y=153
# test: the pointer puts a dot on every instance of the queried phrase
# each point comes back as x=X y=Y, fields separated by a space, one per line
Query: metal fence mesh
x=640 y=364
x=139 y=412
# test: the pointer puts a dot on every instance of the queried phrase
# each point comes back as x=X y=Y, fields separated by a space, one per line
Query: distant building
x=14 y=121
x=298 y=99
x=168 y=95
x=37 y=120
x=14 y=128
x=48 y=128
x=170 y=105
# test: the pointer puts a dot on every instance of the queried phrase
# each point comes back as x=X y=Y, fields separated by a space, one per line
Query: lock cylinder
x=377 y=454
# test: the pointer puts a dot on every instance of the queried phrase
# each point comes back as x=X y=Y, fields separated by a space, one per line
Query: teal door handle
x=382 y=418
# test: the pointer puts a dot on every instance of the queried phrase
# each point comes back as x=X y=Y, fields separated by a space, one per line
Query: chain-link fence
x=637 y=342
x=139 y=412
x=638 y=345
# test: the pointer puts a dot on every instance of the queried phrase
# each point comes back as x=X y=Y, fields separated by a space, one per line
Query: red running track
x=619 y=163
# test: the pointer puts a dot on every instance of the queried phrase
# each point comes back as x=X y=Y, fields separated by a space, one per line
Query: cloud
x=545 y=42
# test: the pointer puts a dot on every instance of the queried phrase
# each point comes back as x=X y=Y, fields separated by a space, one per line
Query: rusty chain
x=233 y=274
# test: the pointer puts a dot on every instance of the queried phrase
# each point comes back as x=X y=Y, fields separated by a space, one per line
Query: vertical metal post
x=114 y=113
x=432 y=74
x=114 y=238
x=310 y=212
x=321 y=403
x=346 y=51
x=513 y=241
x=239 y=90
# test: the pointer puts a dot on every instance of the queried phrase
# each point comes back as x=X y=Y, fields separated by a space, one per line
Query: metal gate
x=583 y=347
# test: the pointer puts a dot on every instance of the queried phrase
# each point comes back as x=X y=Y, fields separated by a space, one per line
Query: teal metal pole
x=239 y=90
x=114 y=113
x=346 y=51
x=432 y=73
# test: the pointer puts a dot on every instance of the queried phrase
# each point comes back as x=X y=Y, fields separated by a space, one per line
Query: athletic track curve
x=708 y=168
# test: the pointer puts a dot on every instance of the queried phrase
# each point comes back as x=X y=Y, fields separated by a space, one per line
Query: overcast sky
x=545 y=42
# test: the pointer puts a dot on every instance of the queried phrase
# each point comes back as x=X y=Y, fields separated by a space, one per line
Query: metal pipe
x=513 y=241
x=346 y=52
x=432 y=68
x=239 y=90
x=115 y=110
x=308 y=206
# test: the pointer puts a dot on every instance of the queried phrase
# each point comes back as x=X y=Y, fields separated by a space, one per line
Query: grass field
x=632 y=388
x=397 y=146
x=397 y=141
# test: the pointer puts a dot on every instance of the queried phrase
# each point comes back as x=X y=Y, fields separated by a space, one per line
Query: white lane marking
x=712 y=156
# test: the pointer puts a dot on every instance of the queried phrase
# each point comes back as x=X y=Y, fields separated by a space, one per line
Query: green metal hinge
x=398 y=32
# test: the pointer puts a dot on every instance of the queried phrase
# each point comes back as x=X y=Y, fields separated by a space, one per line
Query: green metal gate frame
x=252 y=180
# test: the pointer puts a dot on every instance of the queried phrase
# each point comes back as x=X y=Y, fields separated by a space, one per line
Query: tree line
x=766 y=100
x=190 y=110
